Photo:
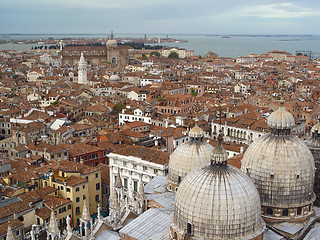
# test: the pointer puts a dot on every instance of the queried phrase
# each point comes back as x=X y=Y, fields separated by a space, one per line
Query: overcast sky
x=164 y=16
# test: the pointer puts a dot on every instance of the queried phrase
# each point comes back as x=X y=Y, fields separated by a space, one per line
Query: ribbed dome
x=219 y=203
x=187 y=157
x=196 y=132
x=282 y=168
x=314 y=141
x=316 y=128
x=281 y=119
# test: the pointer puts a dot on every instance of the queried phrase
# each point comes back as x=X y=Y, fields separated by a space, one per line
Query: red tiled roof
x=145 y=153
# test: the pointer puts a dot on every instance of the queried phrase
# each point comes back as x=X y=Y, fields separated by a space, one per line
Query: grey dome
x=187 y=157
x=281 y=119
x=316 y=128
x=219 y=203
x=112 y=43
x=282 y=168
x=114 y=78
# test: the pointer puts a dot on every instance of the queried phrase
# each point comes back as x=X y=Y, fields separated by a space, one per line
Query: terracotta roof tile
x=145 y=153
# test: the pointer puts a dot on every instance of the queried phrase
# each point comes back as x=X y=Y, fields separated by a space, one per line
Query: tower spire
x=53 y=230
x=85 y=211
x=9 y=233
x=118 y=180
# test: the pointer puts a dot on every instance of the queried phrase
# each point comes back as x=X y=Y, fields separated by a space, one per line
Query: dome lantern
x=281 y=121
x=196 y=133
x=219 y=155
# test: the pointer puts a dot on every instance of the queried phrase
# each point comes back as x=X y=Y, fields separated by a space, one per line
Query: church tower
x=82 y=71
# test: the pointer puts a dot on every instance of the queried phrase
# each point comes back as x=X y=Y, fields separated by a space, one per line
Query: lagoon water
x=225 y=46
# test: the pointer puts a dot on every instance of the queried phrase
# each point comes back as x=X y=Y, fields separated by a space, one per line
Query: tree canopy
x=155 y=53
x=117 y=109
x=193 y=92
x=173 y=55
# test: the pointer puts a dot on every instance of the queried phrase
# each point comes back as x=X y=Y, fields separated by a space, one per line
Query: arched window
x=285 y=212
x=269 y=211
x=114 y=60
x=299 y=211
x=189 y=228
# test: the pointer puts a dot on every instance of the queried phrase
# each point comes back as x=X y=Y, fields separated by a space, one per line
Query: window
x=77 y=210
x=189 y=228
x=77 y=199
x=68 y=190
x=61 y=188
x=269 y=211
x=145 y=168
x=69 y=206
x=98 y=186
x=125 y=183
x=285 y=212
x=17 y=233
x=299 y=211
x=59 y=154
x=97 y=198
x=84 y=197
x=65 y=153
x=84 y=186
x=77 y=189
x=135 y=186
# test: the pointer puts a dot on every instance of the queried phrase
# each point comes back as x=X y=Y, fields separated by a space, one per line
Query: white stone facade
x=136 y=116
x=131 y=170
x=235 y=134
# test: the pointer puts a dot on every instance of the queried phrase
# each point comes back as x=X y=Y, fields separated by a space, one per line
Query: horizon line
x=173 y=34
